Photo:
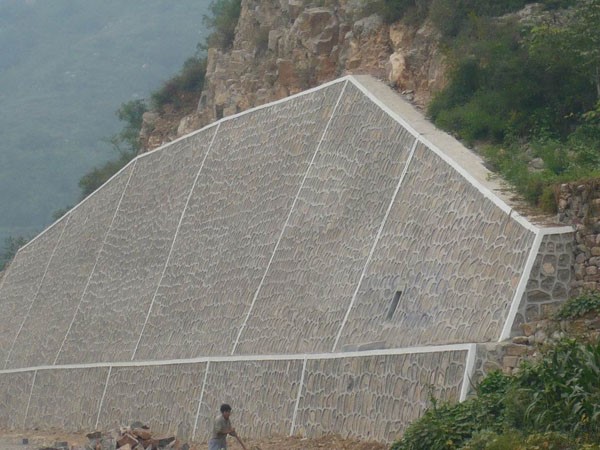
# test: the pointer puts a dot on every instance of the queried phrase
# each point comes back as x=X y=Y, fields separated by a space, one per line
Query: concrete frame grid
x=422 y=135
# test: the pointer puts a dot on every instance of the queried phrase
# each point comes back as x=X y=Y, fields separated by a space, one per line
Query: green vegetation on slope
x=521 y=88
x=125 y=143
x=553 y=403
x=522 y=91
x=10 y=248
x=222 y=20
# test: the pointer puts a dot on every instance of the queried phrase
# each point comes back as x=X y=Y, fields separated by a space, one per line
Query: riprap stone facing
x=244 y=262
x=66 y=399
x=549 y=283
x=368 y=397
x=165 y=397
x=455 y=256
x=262 y=393
x=375 y=397
x=21 y=285
x=331 y=230
x=15 y=389
x=134 y=254
x=67 y=276
x=235 y=216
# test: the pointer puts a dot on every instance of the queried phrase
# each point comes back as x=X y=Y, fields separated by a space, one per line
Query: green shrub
x=261 y=40
x=448 y=426
x=489 y=440
x=96 y=177
x=561 y=392
x=451 y=17
x=563 y=163
x=579 y=306
x=125 y=143
x=515 y=440
x=553 y=403
x=131 y=113
x=11 y=247
x=528 y=90
x=222 y=21
x=410 y=11
x=476 y=120
x=175 y=91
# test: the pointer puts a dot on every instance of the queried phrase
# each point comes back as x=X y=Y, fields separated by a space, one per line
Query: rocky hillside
x=282 y=47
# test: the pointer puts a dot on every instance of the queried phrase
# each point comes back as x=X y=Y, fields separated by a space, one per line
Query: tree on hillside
x=10 y=249
x=578 y=37
x=222 y=21
x=131 y=113
x=125 y=143
x=586 y=37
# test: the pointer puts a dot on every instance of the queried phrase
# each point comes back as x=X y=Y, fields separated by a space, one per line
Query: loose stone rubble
x=136 y=436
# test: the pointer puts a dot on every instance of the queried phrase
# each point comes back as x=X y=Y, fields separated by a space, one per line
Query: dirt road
x=13 y=441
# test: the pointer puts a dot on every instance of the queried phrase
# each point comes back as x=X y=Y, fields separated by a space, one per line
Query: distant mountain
x=65 y=68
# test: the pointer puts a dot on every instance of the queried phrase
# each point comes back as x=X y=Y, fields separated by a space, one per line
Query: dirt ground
x=12 y=440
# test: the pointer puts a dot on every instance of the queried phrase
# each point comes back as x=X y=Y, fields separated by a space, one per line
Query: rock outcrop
x=282 y=47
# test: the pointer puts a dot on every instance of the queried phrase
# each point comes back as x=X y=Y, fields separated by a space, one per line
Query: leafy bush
x=515 y=440
x=447 y=426
x=96 y=177
x=551 y=404
x=131 y=113
x=411 y=11
x=125 y=143
x=579 y=306
x=261 y=40
x=11 y=247
x=452 y=17
x=562 y=390
x=222 y=21
x=175 y=91
x=530 y=91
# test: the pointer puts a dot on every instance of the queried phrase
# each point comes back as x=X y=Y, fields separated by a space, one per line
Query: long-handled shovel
x=240 y=441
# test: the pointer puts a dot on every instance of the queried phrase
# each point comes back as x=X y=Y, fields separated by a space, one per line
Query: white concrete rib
x=36 y=292
x=374 y=245
x=174 y=240
x=238 y=358
x=469 y=370
x=516 y=301
x=243 y=326
x=300 y=388
x=29 y=400
x=200 y=400
x=96 y=262
x=103 y=395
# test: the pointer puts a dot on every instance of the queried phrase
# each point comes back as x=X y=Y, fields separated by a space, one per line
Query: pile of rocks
x=137 y=436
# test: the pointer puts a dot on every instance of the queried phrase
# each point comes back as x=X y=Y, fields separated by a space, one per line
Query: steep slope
x=284 y=47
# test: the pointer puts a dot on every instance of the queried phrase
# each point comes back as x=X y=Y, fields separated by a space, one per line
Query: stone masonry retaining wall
x=371 y=396
x=550 y=280
x=579 y=204
x=336 y=220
